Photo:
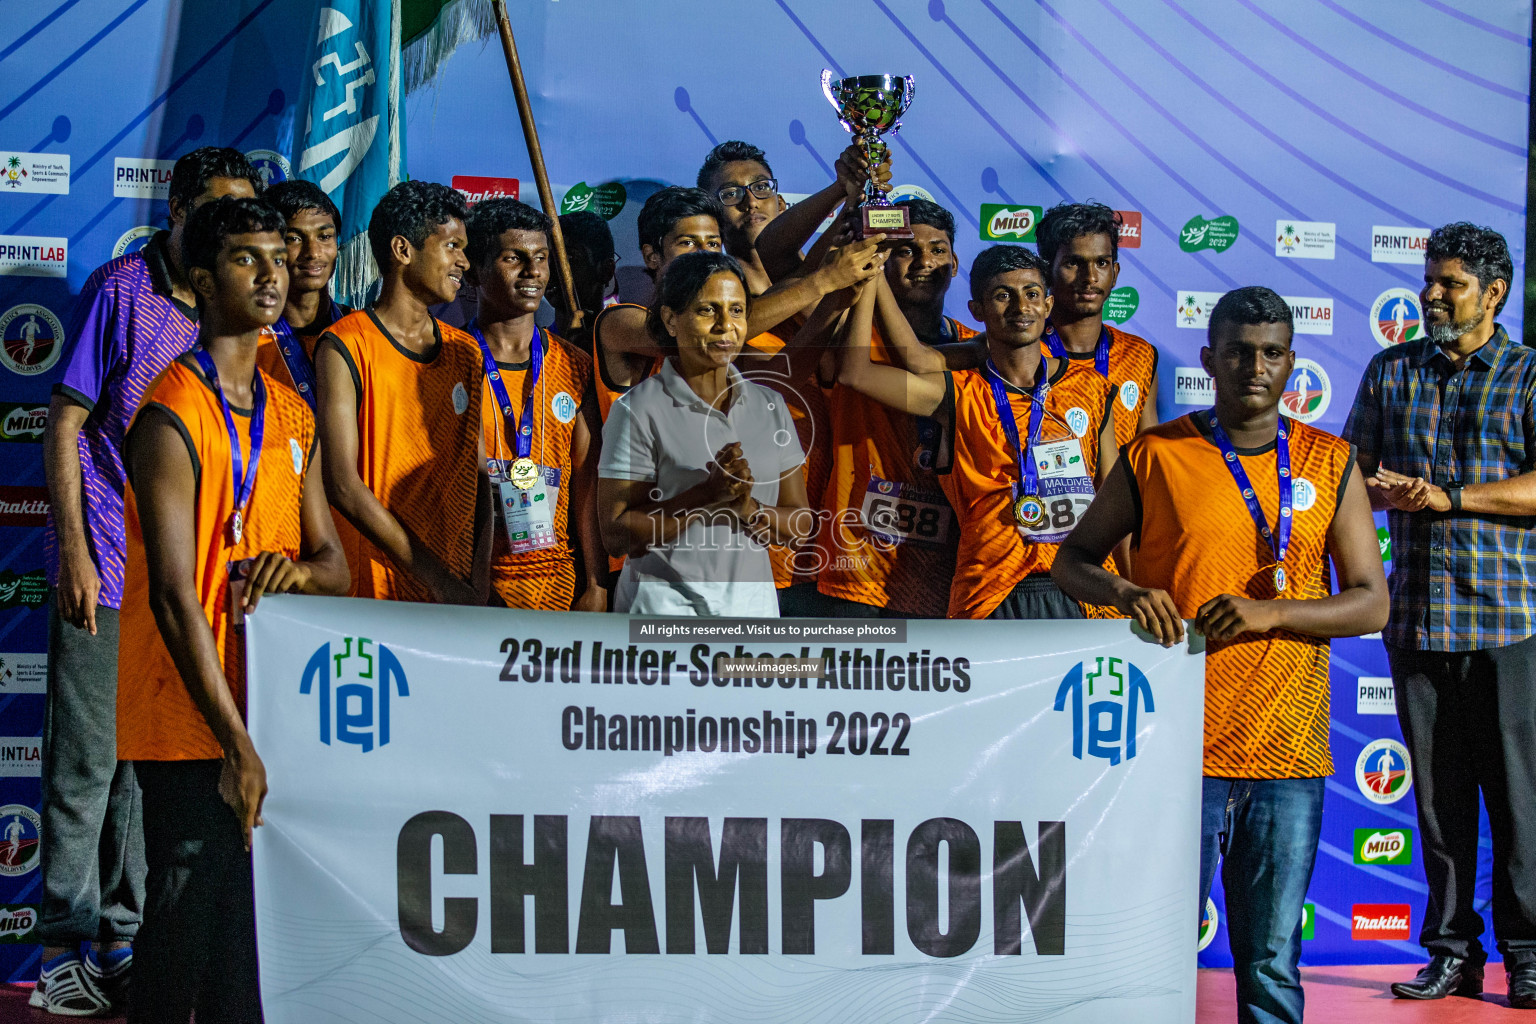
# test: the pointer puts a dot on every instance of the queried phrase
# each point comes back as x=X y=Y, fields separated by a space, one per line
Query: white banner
x=486 y=815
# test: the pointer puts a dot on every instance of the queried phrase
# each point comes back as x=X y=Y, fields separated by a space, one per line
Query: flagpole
x=536 y=157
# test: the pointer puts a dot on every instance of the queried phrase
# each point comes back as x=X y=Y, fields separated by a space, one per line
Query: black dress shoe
x=1448 y=975
x=1522 y=985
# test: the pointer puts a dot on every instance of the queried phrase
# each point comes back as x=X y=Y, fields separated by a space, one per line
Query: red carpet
x=1335 y=995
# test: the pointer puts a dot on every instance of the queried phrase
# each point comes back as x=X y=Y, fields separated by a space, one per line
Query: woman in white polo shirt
x=700 y=467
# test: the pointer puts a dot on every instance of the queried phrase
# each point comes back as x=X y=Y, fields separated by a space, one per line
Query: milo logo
x=1383 y=846
x=22 y=422
x=1001 y=223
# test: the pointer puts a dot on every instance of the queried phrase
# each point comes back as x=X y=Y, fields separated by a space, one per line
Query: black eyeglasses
x=731 y=195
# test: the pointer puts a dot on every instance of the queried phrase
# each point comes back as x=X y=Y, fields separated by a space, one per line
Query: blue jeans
x=1266 y=831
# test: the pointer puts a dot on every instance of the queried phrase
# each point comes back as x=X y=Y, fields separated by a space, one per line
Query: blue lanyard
x=244 y=476
x=299 y=367
x=524 y=441
x=1100 y=351
x=1280 y=538
x=1028 y=474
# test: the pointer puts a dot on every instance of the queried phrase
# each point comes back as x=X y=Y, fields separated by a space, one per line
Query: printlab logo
x=354 y=686
x=33 y=256
x=1374 y=696
x=1193 y=386
x=1110 y=724
x=1306 y=392
x=1378 y=921
x=1001 y=223
x=1398 y=244
x=1217 y=234
x=17 y=921
x=1383 y=846
x=1210 y=923
x=21 y=832
x=1194 y=309
x=1396 y=317
x=271 y=165
x=31 y=339
x=21 y=422
x=1383 y=772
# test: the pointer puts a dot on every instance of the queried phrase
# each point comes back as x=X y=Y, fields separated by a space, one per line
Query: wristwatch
x=1453 y=492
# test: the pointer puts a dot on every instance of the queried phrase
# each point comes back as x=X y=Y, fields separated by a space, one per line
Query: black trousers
x=1469 y=719
x=196 y=949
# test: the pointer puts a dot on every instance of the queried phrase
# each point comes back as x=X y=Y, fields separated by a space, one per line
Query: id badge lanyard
x=244 y=475
x=1028 y=509
x=1279 y=539
x=299 y=367
x=524 y=473
x=1100 y=351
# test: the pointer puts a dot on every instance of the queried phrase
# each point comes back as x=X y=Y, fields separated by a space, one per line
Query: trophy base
x=890 y=221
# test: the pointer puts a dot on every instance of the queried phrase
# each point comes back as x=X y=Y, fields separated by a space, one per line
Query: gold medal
x=1029 y=511
x=1280 y=581
x=525 y=473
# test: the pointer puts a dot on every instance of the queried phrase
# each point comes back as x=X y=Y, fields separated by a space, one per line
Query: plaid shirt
x=1460 y=581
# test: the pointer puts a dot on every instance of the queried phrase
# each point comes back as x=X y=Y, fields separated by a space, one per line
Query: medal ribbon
x=244 y=476
x=299 y=367
x=524 y=441
x=1100 y=351
x=1279 y=539
x=1028 y=474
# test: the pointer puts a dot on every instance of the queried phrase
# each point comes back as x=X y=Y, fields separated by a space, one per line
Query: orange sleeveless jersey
x=1266 y=696
x=418 y=447
x=156 y=718
x=270 y=359
x=538 y=579
x=881 y=454
x=993 y=555
x=608 y=392
x=1132 y=366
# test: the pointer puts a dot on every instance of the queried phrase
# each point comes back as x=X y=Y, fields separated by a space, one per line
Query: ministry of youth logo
x=1383 y=772
x=354 y=680
x=1105 y=700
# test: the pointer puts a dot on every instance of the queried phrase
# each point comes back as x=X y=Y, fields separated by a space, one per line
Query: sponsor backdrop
x=1305 y=146
x=1019 y=798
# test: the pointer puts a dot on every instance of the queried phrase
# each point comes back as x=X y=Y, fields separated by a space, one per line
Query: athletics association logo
x=31 y=339
x=133 y=240
x=21 y=832
x=1106 y=698
x=1396 y=317
x=1306 y=392
x=271 y=165
x=353 y=686
x=1383 y=772
x=1210 y=924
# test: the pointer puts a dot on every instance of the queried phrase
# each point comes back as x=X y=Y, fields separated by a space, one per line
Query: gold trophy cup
x=869 y=106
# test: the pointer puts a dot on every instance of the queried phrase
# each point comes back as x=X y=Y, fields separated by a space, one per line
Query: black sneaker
x=65 y=989
x=112 y=981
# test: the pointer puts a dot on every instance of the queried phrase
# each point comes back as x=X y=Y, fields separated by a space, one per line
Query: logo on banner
x=17 y=921
x=1374 y=696
x=1304 y=239
x=133 y=240
x=21 y=757
x=1306 y=392
x=21 y=831
x=31 y=339
x=1194 y=309
x=1398 y=245
x=1193 y=386
x=1377 y=921
x=35 y=172
x=23 y=673
x=475 y=189
x=1210 y=923
x=1311 y=316
x=1130 y=228
x=604 y=200
x=1308 y=921
x=1216 y=235
x=1106 y=697
x=1383 y=846
x=1003 y=223
x=1384 y=541
x=23 y=506
x=353 y=686
x=905 y=191
x=22 y=590
x=1121 y=304
x=271 y=165
x=1382 y=772
x=33 y=256
x=21 y=422
x=133 y=178
x=1396 y=317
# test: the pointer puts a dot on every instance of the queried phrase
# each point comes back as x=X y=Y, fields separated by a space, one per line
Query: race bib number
x=898 y=514
x=528 y=516
x=1066 y=499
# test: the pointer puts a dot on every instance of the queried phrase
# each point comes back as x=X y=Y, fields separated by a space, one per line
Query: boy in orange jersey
x=399 y=414
x=539 y=415
x=225 y=504
x=1026 y=440
x=287 y=354
x=1234 y=515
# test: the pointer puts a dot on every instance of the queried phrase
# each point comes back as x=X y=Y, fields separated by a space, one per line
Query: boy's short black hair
x=1001 y=259
x=1253 y=304
x=292 y=197
x=729 y=152
x=212 y=223
x=924 y=211
x=674 y=203
x=490 y=218
x=1066 y=221
x=192 y=172
x=413 y=210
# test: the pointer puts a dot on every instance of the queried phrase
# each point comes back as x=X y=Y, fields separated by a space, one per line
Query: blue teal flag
x=351 y=143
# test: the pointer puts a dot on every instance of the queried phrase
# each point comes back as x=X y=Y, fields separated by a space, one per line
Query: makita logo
x=1377 y=921
x=23 y=506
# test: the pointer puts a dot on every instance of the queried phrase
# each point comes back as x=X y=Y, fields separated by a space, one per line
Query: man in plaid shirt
x=1446 y=431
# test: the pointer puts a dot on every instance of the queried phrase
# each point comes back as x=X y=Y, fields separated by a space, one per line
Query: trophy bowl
x=870 y=106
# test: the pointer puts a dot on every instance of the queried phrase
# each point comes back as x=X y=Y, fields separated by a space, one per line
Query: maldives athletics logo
x=1396 y=317
x=1383 y=772
x=1210 y=923
x=21 y=833
x=31 y=339
x=1307 y=392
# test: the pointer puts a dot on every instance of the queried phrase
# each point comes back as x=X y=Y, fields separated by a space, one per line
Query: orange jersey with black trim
x=1132 y=371
x=418 y=447
x=156 y=718
x=883 y=475
x=982 y=477
x=1266 y=695
x=607 y=391
x=270 y=357
x=544 y=579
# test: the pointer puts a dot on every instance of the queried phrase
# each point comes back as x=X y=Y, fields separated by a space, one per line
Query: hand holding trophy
x=869 y=106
